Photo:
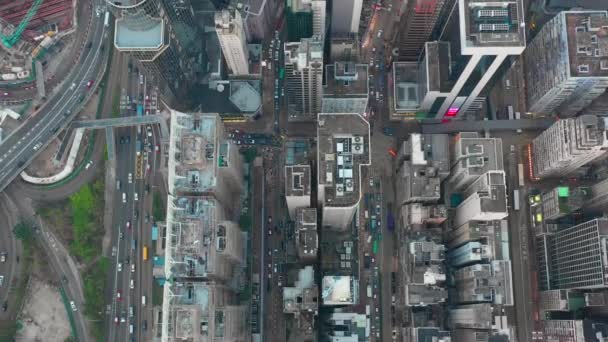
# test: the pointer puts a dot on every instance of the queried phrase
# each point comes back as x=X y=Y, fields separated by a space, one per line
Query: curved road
x=28 y=140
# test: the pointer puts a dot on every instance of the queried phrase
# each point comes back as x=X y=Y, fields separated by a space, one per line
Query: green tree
x=23 y=231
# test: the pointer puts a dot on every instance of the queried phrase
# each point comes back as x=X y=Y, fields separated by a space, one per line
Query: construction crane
x=12 y=39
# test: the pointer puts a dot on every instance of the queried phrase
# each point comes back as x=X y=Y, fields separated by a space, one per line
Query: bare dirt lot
x=44 y=315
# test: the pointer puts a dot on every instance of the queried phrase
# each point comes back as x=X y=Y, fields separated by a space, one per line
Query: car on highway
x=118 y=295
x=89 y=84
x=73 y=306
x=86 y=167
x=73 y=86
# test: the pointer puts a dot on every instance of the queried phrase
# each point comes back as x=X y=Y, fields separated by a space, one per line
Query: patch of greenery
x=158 y=208
x=245 y=222
x=249 y=154
x=157 y=294
x=84 y=205
x=94 y=283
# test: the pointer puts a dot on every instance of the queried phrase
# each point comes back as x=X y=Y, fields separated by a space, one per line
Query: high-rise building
x=470 y=253
x=417 y=24
x=569 y=144
x=346 y=88
x=567 y=63
x=343 y=148
x=160 y=35
x=574 y=257
x=426 y=274
x=345 y=16
x=562 y=201
x=472 y=316
x=307 y=241
x=484 y=200
x=231 y=35
x=474 y=231
x=490 y=283
x=569 y=330
x=302 y=302
x=304 y=79
x=305 y=19
x=450 y=78
x=297 y=188
x=473 y=156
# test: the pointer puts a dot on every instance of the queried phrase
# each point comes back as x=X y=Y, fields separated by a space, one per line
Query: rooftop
x=349 y=327
x=346 y=88
x=407 y=90
x=149 y=38
x=342 y=147
x=587 y=36
x=423 y=295
x=339 y=290
x=303 y=296
x=297 y=180
x=490 y=24
x=485 y=283
x=308 y=52
x=245 y=95
x=306 y=232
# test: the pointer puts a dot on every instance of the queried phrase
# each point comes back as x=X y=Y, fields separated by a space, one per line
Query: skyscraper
x=418 y=22
x=450 y=78
x=305 y=18
x=567 y=63
x=304 y=79
x=569 y=144
x=160 y=35
x=575 y=257
x=345 y=16
x=231 y=35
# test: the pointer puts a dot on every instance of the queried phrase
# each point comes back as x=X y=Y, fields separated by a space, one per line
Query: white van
x=124 y=197
x=143 y=300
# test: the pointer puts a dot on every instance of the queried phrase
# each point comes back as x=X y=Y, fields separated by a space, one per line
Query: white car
x=86 y=167
x=135 y=196
x=130 y=178
x=119 y=267
x=132 y=285
x=132 y=268
x=73 y=305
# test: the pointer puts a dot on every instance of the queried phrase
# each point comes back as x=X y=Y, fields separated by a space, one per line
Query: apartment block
x=567 y=63
x=485 y=283
x=231 y=35
x=424 y=164
x=297 y=188
x=346 y=88
x=343 y=148
x=202 y=160
x=304 y=78
x=568 y=145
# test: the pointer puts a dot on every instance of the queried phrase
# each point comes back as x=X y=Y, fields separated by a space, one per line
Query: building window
x=581 y=29
x=604 y=64
x=583 y=68
x=596 y=52
x=582 y=49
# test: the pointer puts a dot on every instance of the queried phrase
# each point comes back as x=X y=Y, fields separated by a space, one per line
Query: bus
x=145 y=253
x=516 y=199
x=375 y=247
x=520 y=173
x=106 y=21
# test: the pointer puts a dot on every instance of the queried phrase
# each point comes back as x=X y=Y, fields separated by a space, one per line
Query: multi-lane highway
x=130 y=279
x=17 y=150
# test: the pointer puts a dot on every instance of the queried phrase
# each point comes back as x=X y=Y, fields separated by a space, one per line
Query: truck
x=510 y=112
x=520 y=174
x=516 y=199
x=139 y=146
x=106 y=20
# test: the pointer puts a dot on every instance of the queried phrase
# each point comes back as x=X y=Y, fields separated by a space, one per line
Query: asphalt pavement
x=11 y=250
x=23 y=144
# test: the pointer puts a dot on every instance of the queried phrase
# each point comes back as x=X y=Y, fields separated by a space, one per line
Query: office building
x=347 y=326
x=473 y=156
x=343 y=148
x=449 y=80
x=305 y=19
x=567 y=63
x=259 y=17
x=203 y=312
x=420 y=19
x=483 y=231
x=424 y=160
x=484 y=200
x=574 y=257
x=574 y=330
x=561 y=300
x=307 y=242
x=345 y=16
x=598 y=197
x=472 y=316
x=568 y=145
x=160 y=36
x=297 y=188
x=344 y=48
x=426 y=274
x=346 y=88
x=301 y=302
x=231 y=35
x=304 y=79
x=202 y=160
x=485 y=283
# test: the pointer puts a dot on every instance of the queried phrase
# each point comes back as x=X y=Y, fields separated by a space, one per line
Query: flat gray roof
x=149 y=39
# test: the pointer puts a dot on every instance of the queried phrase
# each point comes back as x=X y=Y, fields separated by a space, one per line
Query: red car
x=89 y=84
x=118 y=295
